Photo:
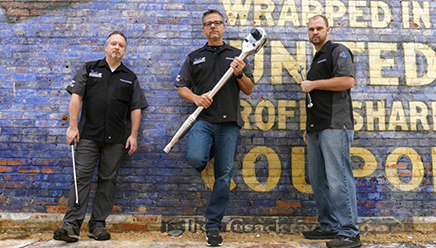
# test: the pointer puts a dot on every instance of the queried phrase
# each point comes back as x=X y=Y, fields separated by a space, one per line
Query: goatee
x=114 y=56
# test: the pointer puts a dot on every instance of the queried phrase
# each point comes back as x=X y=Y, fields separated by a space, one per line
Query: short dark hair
x=320 y=16
x=211 y=11
x=114 y=33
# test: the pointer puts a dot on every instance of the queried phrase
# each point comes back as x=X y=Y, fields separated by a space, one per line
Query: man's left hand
x=132 y=142
x=237 y=65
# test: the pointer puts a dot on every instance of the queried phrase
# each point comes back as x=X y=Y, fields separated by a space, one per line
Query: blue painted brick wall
x=45 y=43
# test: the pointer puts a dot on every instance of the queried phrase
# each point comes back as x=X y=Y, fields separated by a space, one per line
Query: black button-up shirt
x=331 y=109
x=202 y=69
x=108 y=99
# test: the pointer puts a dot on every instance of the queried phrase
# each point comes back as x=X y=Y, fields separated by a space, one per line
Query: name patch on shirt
x=125 y=81
x=322 y=60
x=228 y=58
x=96 y=74
x=199 y=60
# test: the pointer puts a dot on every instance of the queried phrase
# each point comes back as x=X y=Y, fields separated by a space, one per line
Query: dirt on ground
x=264 y=237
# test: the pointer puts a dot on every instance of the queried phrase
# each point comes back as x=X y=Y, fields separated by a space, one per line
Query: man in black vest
x=329 y=132
x=107 y=92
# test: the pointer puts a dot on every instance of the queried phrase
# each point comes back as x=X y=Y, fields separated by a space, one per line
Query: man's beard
x=114 y=56
x=319 y=42
x=214 y=36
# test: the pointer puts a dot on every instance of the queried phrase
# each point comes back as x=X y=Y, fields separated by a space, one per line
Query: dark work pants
x=88 y=155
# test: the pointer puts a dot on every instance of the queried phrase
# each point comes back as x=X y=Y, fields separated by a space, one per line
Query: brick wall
x=394 y=151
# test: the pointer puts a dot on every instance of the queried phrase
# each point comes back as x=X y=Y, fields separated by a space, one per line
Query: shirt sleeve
x=343 y=62
x=184 y=79
x=138 y=100
x=78 y=84
x=248 y=71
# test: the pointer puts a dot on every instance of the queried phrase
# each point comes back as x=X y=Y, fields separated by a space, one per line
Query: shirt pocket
x=94 y=87
x=124 y=91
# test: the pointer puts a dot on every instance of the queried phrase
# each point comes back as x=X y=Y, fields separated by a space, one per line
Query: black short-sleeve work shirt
x=331 y=109
x=202 y=70
x=108 y=99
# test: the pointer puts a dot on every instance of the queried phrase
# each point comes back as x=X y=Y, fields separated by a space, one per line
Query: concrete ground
x=36 y=243
x=179 y=239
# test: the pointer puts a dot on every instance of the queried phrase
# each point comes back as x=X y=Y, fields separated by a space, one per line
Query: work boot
x=99 y=233
x=66 y=233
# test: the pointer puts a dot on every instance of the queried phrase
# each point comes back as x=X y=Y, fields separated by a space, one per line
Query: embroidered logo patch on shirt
x=199 y=60
x=344 y=55
x=72 y=83
x=125 y=81
x=95 y=74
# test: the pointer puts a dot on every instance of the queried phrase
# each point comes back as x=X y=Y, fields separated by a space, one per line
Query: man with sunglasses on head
x=216 y=131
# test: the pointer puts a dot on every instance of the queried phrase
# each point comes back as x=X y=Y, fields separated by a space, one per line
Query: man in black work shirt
x=329 y=132
x=216 y=131
x=109 y=93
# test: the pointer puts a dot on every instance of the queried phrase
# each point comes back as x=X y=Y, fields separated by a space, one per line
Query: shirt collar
x=208 y=48
x=326 y=46
x=103 y=63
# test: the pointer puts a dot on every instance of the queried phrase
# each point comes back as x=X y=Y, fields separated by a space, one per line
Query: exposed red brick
x=115 y=228
x=133 y=227
x=146 y=218
x=284 y=204
x=28 y=170
x=46 y=170
x=56 y=209
x=5 y=169
x=14 y=161
x=281 y=211
x=116 y=210
x=142 y=210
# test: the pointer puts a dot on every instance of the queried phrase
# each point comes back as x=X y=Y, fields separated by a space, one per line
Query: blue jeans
x=207 y=140
x=332 y=180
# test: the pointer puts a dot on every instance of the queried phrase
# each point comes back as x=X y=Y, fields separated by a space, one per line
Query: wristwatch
x=240 y=75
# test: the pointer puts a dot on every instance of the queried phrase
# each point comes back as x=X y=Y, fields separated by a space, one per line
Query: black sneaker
x=214 y=238
x=201 y=169
x=344 y=241
x=317 y=233
x=99 y=233
x=66 y=233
